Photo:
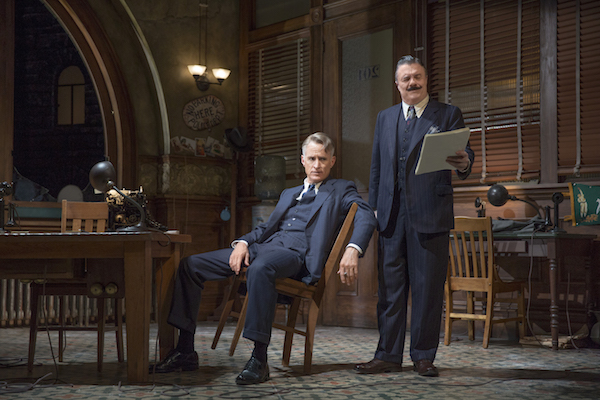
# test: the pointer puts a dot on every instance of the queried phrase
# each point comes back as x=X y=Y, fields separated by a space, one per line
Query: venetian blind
x=578 y=86
x=484 y=58
x=279 y=101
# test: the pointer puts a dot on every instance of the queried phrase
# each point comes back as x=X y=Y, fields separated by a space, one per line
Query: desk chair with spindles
x=76 y=217
x=472 y=270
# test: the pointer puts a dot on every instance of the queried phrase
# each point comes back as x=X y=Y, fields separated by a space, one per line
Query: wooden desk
x=553 y=247
x=46 y=250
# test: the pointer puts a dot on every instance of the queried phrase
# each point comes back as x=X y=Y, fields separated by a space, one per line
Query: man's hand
x=239 y=255
x=349 y=266
x=460 y=161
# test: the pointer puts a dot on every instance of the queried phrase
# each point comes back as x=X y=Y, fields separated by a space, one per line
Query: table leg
x=138 y=296
x=553 y=303
x=165 y=276
x=589 y=290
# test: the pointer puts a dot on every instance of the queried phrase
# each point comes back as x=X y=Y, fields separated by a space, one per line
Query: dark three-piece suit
x=415 y=215
x=294 y=242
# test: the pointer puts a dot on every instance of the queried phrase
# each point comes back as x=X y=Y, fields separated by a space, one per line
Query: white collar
x=306 y=185
x=419 y=107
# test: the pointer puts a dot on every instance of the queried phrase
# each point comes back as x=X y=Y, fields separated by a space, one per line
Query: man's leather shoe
x=425 y=368
x=254 y=372
x=176 y=361
x=377 y=366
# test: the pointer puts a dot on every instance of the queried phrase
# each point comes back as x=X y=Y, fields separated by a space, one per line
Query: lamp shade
x=103 y=176
x=197 y=69
x=498 y=195
x=221 y=73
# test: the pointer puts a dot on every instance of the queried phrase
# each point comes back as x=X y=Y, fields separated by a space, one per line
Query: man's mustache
x=410 y=89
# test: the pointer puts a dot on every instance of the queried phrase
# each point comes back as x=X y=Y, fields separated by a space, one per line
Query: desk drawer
x=43 y=268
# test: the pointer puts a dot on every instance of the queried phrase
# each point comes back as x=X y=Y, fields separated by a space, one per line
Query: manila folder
x=437 y=147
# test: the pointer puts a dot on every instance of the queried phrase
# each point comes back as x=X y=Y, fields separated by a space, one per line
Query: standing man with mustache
x=414 y=215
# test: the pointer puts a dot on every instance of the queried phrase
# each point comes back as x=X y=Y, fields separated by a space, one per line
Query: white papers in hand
x=437 y=147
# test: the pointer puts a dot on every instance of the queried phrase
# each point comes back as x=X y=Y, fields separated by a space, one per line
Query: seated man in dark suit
x=294 y=242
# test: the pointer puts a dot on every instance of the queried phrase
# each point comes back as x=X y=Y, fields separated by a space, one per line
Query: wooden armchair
x=297 y=291
x=472 y=270
x=76 y=217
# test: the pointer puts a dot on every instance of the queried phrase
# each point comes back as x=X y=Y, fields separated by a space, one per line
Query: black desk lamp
x=102 y=178
x=498 y=196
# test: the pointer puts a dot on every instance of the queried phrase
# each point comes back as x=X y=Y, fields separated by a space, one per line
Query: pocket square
x=433 y=129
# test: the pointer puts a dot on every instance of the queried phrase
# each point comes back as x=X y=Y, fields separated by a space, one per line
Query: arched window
x=71 y=97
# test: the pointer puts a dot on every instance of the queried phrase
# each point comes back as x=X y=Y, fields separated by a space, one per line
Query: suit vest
x=292 y=227
x=404 y=134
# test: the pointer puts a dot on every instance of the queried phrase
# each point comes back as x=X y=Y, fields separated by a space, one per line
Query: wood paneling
x=7 y=50
x=200 y=217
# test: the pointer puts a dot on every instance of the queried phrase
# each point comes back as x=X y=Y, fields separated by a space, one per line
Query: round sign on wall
x=203 y=112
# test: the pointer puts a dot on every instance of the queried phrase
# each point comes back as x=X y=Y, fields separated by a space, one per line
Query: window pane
x=64 y=105
x=272 y=11
x=79 y=104
x=71 y=76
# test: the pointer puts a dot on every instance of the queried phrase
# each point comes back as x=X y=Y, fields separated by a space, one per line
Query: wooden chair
x=76 y=217
x=472 y=269
x=297 y=290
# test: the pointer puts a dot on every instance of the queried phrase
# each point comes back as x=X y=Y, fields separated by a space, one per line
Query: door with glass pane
x=358 y=77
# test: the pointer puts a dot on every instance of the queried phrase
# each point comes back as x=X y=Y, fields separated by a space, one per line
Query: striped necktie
x=410 y=115
x=311 y=187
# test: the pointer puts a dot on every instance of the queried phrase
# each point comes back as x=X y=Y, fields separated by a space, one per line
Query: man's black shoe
x=176 y=361
x=254 y=372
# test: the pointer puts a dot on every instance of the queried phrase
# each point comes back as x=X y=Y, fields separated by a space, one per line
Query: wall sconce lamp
x=199 y=71
x=202 y=82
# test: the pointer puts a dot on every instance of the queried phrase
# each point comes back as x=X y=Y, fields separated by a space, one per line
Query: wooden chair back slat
x=468 y=248
x=84 y=216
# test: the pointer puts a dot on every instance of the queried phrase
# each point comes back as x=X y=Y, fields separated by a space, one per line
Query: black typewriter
x=122 y=213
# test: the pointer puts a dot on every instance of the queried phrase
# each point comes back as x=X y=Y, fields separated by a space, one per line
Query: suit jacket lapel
x=324 y=192
x=392 y=127
x=426 y=121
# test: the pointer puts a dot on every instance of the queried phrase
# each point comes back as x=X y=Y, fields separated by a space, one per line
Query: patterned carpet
x=506 y=370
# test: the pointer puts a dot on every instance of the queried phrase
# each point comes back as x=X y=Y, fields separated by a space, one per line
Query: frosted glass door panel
x=367 y=88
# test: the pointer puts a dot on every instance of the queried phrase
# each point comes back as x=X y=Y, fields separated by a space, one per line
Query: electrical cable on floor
x=529 y=289
x=6 y=362
x=567 y=310
x=19 y=387
x=47 y=328
x=529 y=285
x=6 y=388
